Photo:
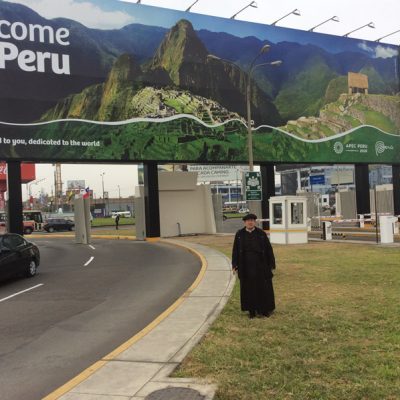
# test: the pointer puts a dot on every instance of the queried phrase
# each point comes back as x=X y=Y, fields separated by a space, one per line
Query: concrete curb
x=144 y=365
x=56 y=236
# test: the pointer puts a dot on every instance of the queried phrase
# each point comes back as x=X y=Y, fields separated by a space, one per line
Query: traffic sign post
x=253 y=186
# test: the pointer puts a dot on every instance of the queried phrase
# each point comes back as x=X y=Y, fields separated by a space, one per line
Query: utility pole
x=57 y=186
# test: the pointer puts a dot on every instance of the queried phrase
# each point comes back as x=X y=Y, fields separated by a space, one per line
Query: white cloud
x=86 y=13
x=385 y=52
x=379 y=51
x=365 y=47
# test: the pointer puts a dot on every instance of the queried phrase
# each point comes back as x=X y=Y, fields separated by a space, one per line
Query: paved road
x=80 y=313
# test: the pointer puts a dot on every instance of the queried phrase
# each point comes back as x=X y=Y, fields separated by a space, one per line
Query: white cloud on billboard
x=86 y=13
x=379 y=51
x=385 y=52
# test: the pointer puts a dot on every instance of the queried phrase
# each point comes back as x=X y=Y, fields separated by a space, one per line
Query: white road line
x=23 y=291
x=92 y=247
x=90 y=260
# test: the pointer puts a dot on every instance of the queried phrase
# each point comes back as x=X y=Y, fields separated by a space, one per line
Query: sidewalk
x=143 y=365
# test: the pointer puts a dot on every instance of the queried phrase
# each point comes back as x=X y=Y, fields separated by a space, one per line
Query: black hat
x=249 y=216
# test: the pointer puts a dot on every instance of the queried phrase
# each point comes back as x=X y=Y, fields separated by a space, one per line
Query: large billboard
x=107 y=80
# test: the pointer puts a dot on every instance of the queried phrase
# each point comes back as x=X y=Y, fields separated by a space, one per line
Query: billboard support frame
x=14 y=206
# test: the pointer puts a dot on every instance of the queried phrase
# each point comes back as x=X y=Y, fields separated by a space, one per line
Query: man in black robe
x=253 y=259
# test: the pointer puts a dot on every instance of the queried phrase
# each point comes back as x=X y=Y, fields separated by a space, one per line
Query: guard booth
x=288 y=220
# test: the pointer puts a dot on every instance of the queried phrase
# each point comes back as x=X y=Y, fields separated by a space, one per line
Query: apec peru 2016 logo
x=338 y=148
x=380 y=147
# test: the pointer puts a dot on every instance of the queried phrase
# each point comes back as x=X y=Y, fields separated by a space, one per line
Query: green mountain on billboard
x=180 y=46
x=180 y=65
x=303 y=94
x=182 y=58
x=348 y=112
x=299 y=85
x=169 y=58
x=123 y=96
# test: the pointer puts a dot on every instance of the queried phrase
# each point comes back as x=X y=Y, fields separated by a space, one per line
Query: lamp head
x=253 y=4
x=212 y=57
x=265 y=48
x=371 y=25
x=296 y=12
x=335 y=19
x=276 y=63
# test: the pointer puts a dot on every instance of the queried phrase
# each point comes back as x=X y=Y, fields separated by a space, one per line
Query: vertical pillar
x=396 y=188
x=151 y=201
x=14 y=188
x=268 y=190
x=362 y=189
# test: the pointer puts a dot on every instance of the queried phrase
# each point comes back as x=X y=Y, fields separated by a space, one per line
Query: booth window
x=297 y=213
x=277 y=214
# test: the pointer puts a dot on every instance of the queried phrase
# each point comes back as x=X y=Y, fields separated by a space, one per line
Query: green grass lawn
x=111 y=221
x=233 y=215
x=335 y=334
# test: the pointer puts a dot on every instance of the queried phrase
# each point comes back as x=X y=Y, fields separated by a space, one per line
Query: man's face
x=250 y=223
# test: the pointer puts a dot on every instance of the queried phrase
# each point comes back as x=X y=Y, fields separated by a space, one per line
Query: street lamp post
x=193 y=4
x=30 y=188
x=334 y=19
x=384 y=37
x=253 y=4
x=119 y=197
x=102 y=184
x=294 y=12
x=369 y=25
x=253 y=67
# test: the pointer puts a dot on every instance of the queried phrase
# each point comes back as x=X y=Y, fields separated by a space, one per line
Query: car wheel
x=28 y=231
x=32 y=269
x=51 y=229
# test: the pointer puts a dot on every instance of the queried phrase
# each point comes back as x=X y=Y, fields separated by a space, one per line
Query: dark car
x=17 y=256
x=58 y=224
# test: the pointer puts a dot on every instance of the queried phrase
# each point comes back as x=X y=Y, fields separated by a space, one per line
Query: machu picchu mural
x=171 y=86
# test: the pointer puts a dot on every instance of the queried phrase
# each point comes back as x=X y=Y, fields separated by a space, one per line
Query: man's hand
x=234 y=270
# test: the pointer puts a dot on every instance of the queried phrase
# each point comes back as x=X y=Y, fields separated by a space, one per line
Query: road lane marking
x=92 y=247
x=88 y=262
x=88 y=372
x=23 y=291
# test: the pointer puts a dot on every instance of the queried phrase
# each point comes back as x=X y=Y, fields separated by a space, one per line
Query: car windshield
x=11 y=242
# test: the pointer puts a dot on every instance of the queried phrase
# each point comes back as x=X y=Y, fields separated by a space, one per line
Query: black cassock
x=254 y=258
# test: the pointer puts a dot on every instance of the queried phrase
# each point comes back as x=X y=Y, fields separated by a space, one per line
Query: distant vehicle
x=58 y=224
x=17 y=256
x=244 y=210
x=122 y=214
x=32 y=221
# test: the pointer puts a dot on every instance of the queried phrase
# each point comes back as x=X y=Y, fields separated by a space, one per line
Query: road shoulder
x=143 y=364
